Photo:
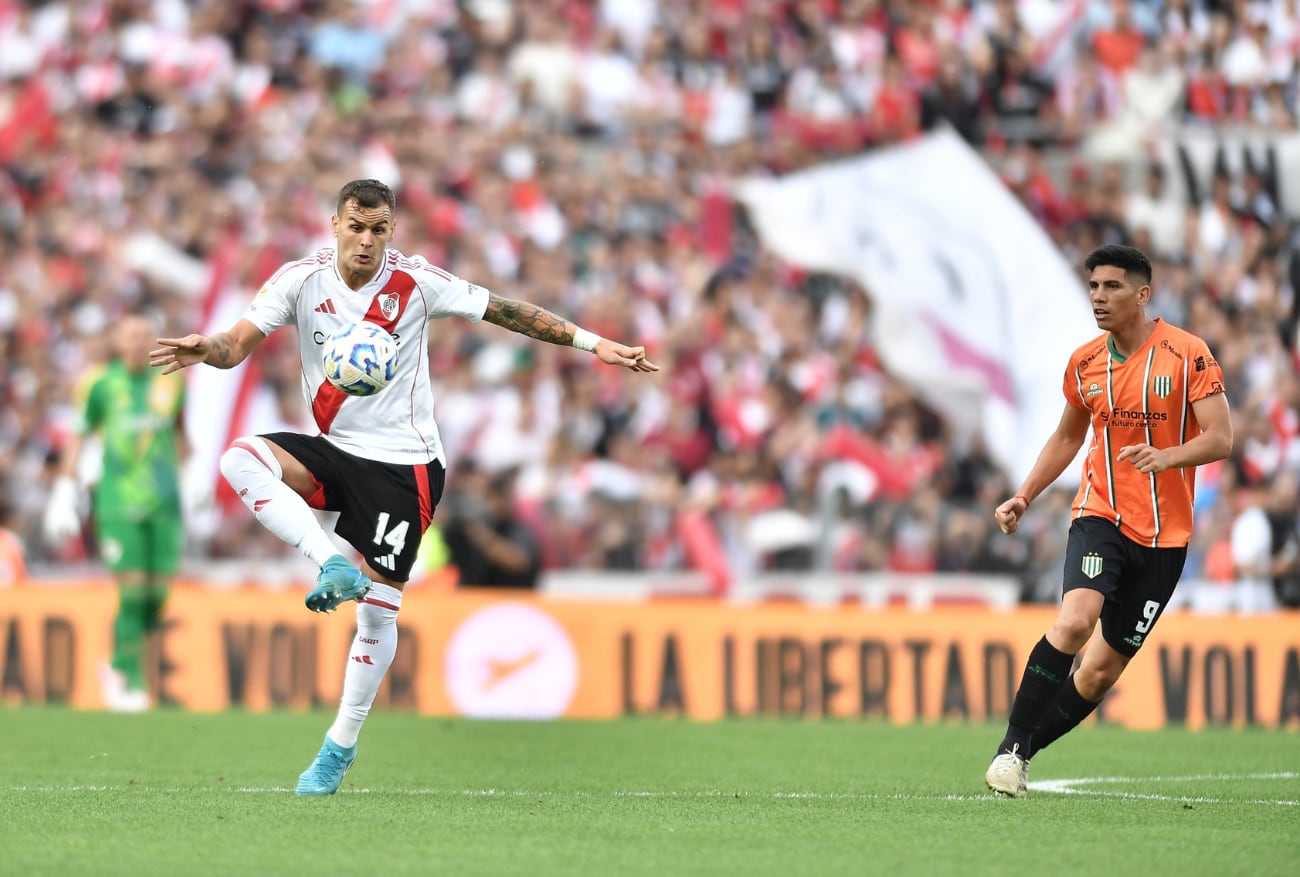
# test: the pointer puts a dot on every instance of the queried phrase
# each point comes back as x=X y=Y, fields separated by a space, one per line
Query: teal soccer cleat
x=326 y=773
x=338 y=582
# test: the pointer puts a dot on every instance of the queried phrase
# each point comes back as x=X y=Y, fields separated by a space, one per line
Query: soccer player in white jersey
x=378 y=460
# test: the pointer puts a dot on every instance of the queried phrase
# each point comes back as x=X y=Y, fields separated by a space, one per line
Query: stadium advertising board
x=489 y=655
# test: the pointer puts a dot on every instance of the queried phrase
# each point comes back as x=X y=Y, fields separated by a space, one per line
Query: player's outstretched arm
x=537 y=322
x=223 y=350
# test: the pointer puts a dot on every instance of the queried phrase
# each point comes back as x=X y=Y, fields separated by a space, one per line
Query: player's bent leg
x=253 y=469
x=1099 y=669
x=1045 y=674
x=273 y=484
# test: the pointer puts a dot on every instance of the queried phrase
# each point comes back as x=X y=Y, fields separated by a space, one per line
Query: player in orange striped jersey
x=1154 y=397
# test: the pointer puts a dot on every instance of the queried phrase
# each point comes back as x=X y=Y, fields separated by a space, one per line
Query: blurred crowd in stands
x=576 y=154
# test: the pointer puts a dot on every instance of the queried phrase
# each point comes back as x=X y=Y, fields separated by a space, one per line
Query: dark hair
x=1134 y=262
x=367 y=193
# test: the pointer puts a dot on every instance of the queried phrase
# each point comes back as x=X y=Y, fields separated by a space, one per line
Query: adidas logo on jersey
x=325 y=307
x=388 y=561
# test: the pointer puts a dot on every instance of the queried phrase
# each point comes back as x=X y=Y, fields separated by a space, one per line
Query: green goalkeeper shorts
x=151 y=545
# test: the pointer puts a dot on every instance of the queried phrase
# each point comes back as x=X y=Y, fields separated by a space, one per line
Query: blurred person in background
x=486 y=542
x=135 y=414
x=1284 y=530
x=13 y=557
x=378 y=460
x=1257 y=551
x=1154 y=397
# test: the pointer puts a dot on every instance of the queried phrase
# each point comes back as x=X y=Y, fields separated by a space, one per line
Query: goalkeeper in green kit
x=135 y=412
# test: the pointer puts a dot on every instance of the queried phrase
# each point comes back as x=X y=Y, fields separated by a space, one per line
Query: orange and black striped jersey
x=1146 y=398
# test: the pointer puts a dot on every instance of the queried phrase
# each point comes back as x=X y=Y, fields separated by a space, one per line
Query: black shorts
x=1136 y=580
x=384 y=508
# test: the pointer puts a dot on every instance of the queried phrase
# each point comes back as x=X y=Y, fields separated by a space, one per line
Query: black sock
x=1045 y=674
x=1069 y=709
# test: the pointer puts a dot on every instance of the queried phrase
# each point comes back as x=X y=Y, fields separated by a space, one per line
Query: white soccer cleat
x=117 y=697
x=1008 y=774
x=131 y=702
x=112 y=683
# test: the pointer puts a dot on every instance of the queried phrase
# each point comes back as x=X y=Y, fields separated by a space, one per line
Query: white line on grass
x=508 y=793
x=1062 y=787
x=1071 y=787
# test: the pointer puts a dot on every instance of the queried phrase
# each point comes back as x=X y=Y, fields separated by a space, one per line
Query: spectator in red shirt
x=918 y=46
x=1118 y=46
x=896 y=114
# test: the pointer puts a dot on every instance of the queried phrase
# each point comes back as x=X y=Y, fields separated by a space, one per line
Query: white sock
x=255 y=474
x=371 y=655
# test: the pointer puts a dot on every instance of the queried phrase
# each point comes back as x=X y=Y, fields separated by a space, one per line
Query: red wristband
x=1025 y=498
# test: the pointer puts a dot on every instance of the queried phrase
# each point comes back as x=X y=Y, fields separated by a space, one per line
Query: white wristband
x=584 y=340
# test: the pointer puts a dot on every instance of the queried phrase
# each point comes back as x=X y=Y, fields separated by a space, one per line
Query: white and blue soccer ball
x=360 y=358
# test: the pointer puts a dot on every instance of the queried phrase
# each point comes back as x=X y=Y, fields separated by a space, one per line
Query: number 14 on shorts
x=394 y=539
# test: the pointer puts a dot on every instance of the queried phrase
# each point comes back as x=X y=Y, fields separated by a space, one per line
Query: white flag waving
x=974 y=306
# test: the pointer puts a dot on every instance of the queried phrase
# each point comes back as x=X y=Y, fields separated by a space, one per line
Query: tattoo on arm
x=529 y=319
x=220 y=354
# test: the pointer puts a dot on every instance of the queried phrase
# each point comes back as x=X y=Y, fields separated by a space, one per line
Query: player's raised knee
x=247 y=453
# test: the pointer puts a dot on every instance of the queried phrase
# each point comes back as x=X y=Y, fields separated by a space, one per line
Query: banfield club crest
x=1163 y=385
x=389 y=302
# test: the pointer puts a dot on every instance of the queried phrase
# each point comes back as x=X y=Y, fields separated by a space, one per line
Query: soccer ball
x=360 y=359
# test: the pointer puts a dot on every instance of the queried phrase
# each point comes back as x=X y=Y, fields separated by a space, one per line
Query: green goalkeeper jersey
x=137 y=417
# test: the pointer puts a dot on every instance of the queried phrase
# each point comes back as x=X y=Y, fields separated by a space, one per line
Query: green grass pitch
x=173 y=793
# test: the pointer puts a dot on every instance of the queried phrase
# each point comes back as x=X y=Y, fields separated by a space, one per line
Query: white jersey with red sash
x=396 y=425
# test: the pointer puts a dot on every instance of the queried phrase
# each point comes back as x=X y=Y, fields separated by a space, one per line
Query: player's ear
x=334 y=225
